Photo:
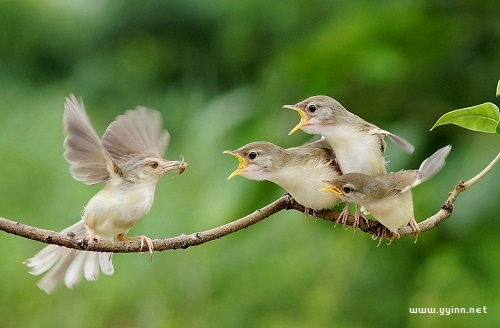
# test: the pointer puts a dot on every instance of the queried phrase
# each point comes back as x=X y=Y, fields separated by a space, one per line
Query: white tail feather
x=74 y=272
x=50 y=281
x=68 y=264
x=91 y=266
x=106 y=264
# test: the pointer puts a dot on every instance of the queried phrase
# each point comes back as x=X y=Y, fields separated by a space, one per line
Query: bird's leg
x=313 y=212
x=357 y=216
x=90 y=238
x=383 y=232
x=365 y=213
x=393 y=235
x=414 y=225
x=143 y=239
x=93 y=237
x=343 y=216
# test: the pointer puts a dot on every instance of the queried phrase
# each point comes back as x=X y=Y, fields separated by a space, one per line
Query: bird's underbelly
x=306 y=189
x=393 y=212
x=112 y=213
x=315 y=199
x=356 y=151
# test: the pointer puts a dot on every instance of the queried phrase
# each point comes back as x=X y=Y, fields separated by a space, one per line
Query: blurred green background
x=220 y=71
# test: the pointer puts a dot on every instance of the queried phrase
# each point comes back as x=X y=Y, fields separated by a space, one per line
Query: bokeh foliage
x=219 y=71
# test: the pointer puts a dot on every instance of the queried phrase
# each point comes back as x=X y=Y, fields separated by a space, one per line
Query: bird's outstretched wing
x=137 y=132
x=89 y=161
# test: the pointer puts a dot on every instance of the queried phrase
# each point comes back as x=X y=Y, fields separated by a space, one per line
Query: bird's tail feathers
x=68 y=264
x=431 y=165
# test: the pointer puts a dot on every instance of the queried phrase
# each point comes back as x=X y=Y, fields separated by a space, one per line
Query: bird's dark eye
x=312 y=108
x=153 y=164
x=252 y=155
x=347 y=189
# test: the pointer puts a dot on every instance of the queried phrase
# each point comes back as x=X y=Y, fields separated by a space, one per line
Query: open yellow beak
x=333 y=189
x=303 y=118
x=241 y=166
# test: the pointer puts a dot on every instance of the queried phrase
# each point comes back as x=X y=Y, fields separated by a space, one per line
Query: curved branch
x=161 y=244
x=198 y=238
x=447 y=208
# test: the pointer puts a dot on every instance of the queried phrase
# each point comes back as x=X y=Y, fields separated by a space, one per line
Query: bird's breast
x=356 y=150
x=115 y=209
x=392 y=211
x=304 y=183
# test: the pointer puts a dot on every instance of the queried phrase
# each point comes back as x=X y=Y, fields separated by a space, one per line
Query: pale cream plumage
x=128 y=160
x=358 y=145
x=298 y=170
x=388 y=197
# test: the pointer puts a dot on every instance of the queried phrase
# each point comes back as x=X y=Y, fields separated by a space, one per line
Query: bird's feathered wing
x=405 y=145
x=137 y=132
x=430 y=166
x=89 y=161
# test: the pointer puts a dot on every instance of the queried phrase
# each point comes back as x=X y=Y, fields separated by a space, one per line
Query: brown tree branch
x=198 y=238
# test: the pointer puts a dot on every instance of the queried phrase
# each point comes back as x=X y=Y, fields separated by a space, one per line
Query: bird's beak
x=175 y=165
x=241 y=166
x=332 y=188
x=303 y=118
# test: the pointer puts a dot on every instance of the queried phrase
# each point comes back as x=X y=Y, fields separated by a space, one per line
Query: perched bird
x=358 y=145
x=388 y=197
x=129 y=161
x=299 y=170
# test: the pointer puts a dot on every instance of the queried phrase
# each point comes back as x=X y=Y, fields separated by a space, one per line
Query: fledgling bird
x=301 y=171
x=358 y=144
x=129 y=161
x=388 y=197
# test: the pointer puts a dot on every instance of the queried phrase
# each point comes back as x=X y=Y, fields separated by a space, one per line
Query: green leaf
x=498 y=89
x=484 y=118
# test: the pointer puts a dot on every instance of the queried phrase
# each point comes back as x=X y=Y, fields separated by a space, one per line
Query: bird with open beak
x=301 y=171
x=388 y=196
x=358 y=145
